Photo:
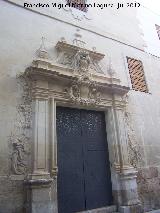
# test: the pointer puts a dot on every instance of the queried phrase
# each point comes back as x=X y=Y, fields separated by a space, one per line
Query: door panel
x=83 y=163
x=70 y=161
x=97 y=171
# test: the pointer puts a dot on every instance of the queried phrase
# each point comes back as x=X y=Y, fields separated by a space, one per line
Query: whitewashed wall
x=148 y=19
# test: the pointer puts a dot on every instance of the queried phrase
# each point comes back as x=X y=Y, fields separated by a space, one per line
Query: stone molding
x=39 y=183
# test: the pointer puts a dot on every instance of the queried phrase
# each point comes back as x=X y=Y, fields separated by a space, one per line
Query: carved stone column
x=127 y=174
x=39 y=182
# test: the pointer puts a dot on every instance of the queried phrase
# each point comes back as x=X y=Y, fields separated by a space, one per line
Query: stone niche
x=75 y=79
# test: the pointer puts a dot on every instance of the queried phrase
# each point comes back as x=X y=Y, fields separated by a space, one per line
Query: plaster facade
x=39 y=73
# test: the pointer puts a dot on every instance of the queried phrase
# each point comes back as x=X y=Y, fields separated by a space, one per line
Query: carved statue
x=75 y=91
x=17 y=158
x=93 y=94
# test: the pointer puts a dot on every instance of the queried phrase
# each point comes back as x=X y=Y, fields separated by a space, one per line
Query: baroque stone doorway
x=76 y=80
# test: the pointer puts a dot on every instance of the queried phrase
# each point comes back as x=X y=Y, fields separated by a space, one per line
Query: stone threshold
x=107 y=209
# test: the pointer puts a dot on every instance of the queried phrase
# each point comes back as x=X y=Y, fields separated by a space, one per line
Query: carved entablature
x=74 y=77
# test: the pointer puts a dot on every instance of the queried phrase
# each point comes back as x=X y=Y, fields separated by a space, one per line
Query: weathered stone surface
x=148 y=173
x=149 y=188
x=12 y=195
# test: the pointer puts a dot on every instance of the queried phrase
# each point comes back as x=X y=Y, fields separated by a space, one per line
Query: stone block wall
x=12 y=195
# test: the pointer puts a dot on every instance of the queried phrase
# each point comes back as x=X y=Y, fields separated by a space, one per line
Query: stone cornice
x=53 y=74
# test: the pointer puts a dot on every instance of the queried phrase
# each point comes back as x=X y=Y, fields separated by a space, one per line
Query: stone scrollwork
x=135 y=154
x=84 y=93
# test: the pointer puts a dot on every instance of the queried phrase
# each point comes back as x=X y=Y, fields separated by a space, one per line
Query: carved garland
x=20 y=136
x=134 y=148
x=74 y=93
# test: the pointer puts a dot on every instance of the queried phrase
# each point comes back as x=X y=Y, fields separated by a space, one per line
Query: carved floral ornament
x=84 y=92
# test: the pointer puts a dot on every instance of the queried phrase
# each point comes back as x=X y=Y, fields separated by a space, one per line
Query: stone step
x=108 y=209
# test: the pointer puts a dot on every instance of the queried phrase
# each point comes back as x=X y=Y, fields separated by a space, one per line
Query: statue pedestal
x=39 y=193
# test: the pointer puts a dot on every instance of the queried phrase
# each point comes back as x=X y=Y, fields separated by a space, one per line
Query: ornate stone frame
x=79 y=82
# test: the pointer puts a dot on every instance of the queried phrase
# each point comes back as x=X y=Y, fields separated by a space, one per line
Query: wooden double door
x=84 y=180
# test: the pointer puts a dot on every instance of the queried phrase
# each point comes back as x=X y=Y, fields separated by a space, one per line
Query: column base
x=39 y=194
x=129 y=187
x=131 y=209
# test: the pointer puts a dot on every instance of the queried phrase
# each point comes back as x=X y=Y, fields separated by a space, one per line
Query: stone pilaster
x=114 y=155
x=38 y=184
x=127 y=174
